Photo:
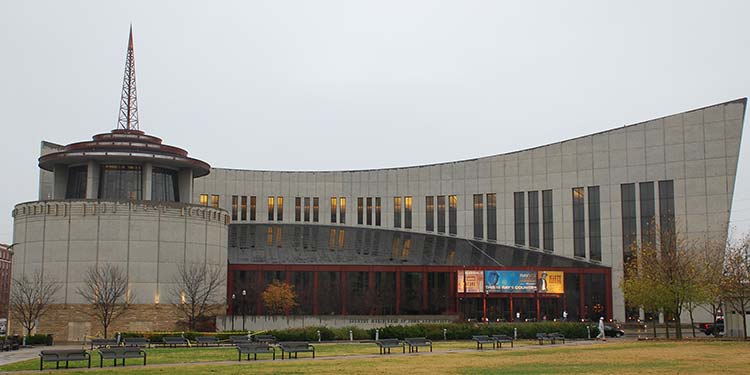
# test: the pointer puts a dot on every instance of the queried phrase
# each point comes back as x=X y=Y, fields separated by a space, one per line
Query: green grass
x=625 y=357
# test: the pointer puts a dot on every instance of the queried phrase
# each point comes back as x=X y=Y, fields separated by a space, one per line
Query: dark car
x=613 y=331
x=715 y=329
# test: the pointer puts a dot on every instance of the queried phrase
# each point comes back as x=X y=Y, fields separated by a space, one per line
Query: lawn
x=613 y=357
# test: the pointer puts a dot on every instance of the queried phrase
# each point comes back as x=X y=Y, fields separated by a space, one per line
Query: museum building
x=525 y=235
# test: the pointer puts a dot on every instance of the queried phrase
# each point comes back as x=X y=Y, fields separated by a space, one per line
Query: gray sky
x=306 y=85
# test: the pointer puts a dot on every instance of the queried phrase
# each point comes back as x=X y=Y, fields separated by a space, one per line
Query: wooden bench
x=500 y=339
x=483 y=339
x=265 y=338
x=63 y=356
x=174 y=341
x=236 y=340
x=415 y=342
x=207 y=340
x=542 y=337
x=120 y=353
x=556 y=336
x=387 y=344
x=296 y=347
x=255 y=348
x=102 y=343
x=136 y=342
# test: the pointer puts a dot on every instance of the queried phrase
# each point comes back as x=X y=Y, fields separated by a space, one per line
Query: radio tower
x=129 y=102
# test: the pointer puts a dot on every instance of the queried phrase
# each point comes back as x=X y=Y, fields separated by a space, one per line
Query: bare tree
x=735 y=282
x=106 y=289
x=31 y=297
x=194 y=290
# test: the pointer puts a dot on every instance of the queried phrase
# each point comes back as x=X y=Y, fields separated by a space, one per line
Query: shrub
x=464 y=331
x=42 y=339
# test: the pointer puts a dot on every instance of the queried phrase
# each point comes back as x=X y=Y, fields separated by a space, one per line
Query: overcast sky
x=326 y=85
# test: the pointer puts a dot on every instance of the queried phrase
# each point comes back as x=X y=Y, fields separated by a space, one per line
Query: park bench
x=254 y=348
x=483 y=339
x=295 y=347
x=120 y=353
x=207 y=340
x=103 y=343
x=10 y=343
x=556 y=336
x=236 y=340
x=174 y=341
x=415 y=342
x=66 y=356
x=136 y=342
x=500 y=339
x=542 y=337
x=265 y=338
x=387 y=344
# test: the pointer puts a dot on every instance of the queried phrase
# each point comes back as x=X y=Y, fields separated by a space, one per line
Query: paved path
x=30 y=353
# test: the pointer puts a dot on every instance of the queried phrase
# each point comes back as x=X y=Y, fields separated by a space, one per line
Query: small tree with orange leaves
x=279 y=298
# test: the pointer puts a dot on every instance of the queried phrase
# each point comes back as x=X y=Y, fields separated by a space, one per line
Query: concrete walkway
x=29 y=353
x=25 y=354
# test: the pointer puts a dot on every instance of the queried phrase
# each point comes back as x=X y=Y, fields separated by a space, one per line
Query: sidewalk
x=29 y=353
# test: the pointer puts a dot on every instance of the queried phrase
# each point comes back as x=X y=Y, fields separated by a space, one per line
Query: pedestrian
x=565 y=316
x=601 y=336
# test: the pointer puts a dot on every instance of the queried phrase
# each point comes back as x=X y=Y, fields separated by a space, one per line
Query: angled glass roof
x=334 y=245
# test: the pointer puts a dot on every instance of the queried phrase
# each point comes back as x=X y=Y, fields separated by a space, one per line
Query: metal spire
x=128 y=102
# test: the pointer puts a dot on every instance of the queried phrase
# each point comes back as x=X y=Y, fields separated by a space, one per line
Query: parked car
x=712 y=329
x=613 y=331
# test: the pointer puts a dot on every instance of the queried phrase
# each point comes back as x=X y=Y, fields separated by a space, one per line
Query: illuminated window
x=215 y=201
x=369 y=211
x=270 y=208
x=579 y=224
x=253 y=206
x=377 y=211
x=316 y=209
x=397 y=212
x=429 y=213
x=478 y=216
x=204 y=199
x=360 y=203
x=333 y=209
x=279 y=208
x=452 y=214
x=342 y=210
x=243 y=208
x=407 y=212
x=307 y=208
x=441 y=214
x=297 y=209
x=235 y=207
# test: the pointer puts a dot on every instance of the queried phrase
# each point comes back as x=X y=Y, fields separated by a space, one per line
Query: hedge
x=157 y=336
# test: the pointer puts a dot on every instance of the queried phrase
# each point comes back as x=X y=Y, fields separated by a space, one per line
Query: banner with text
x=470 y=281
x=551 y=282
x=510 y=281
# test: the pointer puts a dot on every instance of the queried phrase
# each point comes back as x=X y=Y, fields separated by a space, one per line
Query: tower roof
x=128 y=119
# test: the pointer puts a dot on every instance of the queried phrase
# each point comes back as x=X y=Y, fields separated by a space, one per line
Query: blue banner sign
x=510 y=281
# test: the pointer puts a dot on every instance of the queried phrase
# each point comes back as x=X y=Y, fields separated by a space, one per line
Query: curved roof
x=334 y=245
x=124 y=145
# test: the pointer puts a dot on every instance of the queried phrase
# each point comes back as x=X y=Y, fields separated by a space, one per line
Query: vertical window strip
x=595 y=231
x=243 y=208
x=441 y=214
x=369 y=210
x=579 y=223
x=548 y=220
x=534 y=219
x=279 y=208
x=378 y=209
x=478 y=216
x=297 y=208
x=452 y=214
x=666 y=215
x=235 y=207
x=253 y=207
x=360 y=209
x=429 y=213
x=648 y=214
x=397 y=212
x=342 y=210
x=316 y=209
x=629 y=218
x=333 y=209
x=270 y=208
x=306 y=209
x=407 y=212
x=519 y=218
x=492 y=217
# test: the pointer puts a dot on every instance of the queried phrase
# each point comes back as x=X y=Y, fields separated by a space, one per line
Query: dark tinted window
x=397 y=212
x=548 y=220
x=441 y=214
x=492 y=217
x=519 y=218
x=76 y=188
x=165 y=185
x=429 y=205
x=648 y=213
x=627 y=193
x=120 y=182
x=452 y=214
x=579 y=224
x=478 y=216
x=666 y=214
x=534 y=219
x=595 y=232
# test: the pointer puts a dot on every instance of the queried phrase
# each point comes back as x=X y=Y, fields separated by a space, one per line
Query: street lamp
x=233 y=298
x=244 y=307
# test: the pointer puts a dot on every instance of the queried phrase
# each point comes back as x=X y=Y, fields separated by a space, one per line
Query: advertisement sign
x=551 y=282
x=510 y=281
x=470 y=281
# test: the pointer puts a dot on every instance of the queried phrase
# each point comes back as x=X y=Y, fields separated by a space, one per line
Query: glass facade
x=629 y=218
x=666 y=214
x=429 y=213
x=534 y=219
x=595 y=227
x=342 y=210
x=279 y=208
x=235 y=207
x=270 y=208
x=648 y=213
x=297 y=208
x=519 y=218
x=253 y=206
x=243 y=208
x=579 y=223
x=407 y=212
x=492 y=217
x=120 y=182
x=452 y=214
x=316 y=210
x=378 y=209
x=76 y=187
x=307 y=209
x=333 y=209
x=478 y=216
x=547 y=221
x=360 y=210
x=369 y=210
x=165 y=185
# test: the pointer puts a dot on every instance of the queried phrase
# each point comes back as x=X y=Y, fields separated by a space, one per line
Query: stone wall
x=255 y=323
